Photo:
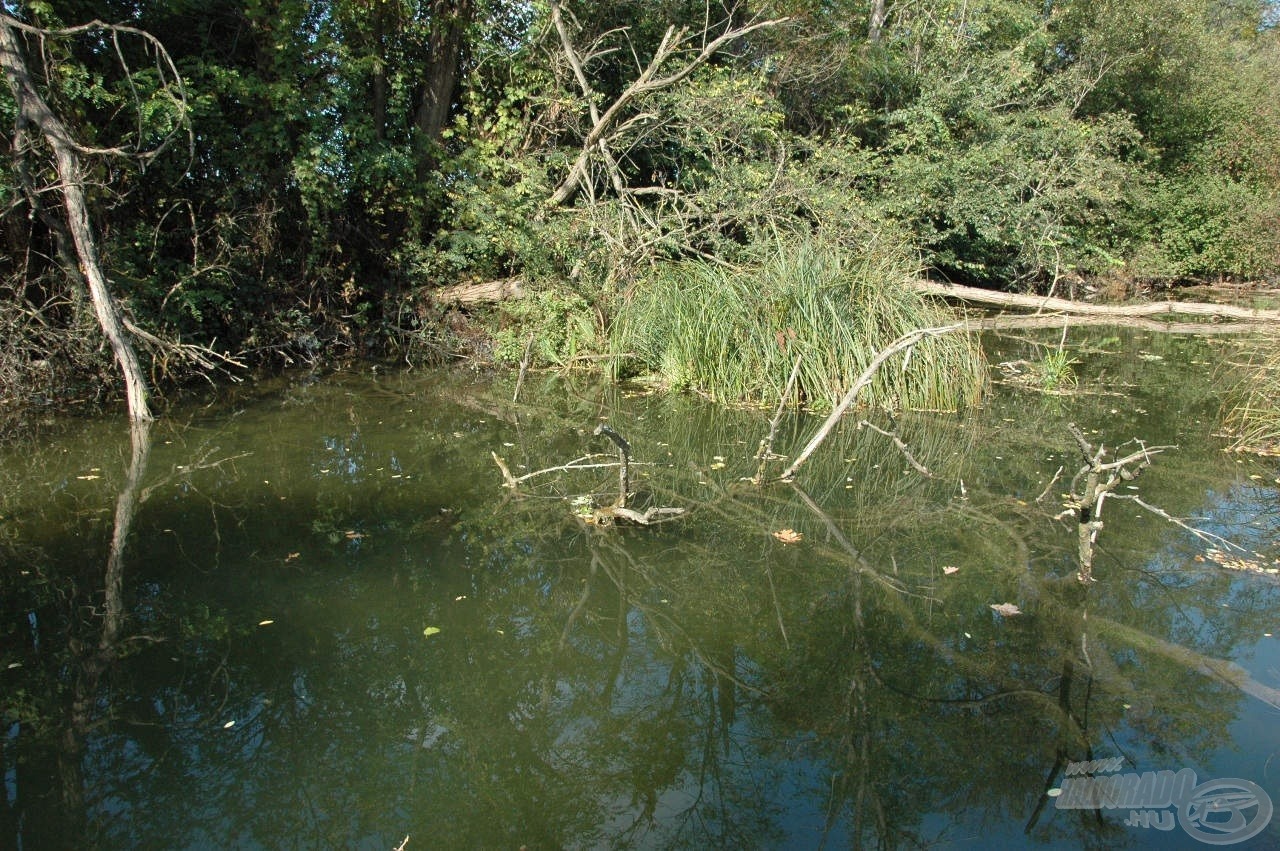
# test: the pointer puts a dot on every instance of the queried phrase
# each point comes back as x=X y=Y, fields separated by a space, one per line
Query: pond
x=309 y=615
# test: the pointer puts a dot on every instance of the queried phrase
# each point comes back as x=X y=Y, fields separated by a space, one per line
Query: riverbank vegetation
x=322 y=176
x=734 y=334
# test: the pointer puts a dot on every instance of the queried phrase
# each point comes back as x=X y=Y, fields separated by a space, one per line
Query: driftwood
x=904 y=343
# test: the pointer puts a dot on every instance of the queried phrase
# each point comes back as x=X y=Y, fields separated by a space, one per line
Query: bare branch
x=604 y=125
x=903 y=343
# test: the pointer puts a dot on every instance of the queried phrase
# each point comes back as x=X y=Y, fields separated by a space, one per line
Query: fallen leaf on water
x=949 y=569
x=430 y=631
x=788 y=536
x=1008 y=610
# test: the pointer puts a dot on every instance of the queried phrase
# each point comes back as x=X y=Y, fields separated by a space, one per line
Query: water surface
x=309 y=615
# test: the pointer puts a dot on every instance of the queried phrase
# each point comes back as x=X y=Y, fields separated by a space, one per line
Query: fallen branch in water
x=585 y=509
x=904 y=343
x=1100 y=480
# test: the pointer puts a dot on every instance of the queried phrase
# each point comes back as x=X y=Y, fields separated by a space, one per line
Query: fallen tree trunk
x=1080 y=308
x=1061 y=311
x=480 y=292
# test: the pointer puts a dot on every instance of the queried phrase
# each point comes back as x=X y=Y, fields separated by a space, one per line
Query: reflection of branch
x=863 y=565
x=766 y=446
x=511 y=481
x=1207 y=537
x=902 y=447
x=1220 y=669
x=126 y=508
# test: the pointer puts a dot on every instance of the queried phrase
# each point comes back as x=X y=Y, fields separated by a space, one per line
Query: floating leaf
x=1007 y=610
x=788 y=536
x=430 y=631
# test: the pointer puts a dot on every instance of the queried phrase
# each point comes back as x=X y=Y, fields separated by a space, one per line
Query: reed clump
x=1255 y=417
x=733 y=334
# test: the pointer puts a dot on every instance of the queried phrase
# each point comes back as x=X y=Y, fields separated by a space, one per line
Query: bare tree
x=680 y=53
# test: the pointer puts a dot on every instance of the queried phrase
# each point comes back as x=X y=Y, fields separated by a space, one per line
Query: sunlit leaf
x=430 y=631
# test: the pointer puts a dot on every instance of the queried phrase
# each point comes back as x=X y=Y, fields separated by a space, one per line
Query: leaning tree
x=43 y=138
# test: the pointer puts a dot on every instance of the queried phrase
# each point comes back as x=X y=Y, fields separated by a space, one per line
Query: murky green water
x=248 y=664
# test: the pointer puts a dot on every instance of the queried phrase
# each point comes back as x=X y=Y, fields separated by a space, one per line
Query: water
x=330 y=625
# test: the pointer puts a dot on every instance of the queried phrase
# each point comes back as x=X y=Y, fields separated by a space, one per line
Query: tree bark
x=32 y=109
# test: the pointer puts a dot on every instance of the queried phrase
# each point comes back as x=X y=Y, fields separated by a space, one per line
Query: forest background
x=273 y=182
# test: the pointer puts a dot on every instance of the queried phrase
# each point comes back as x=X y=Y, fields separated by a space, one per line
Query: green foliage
x=561 y=324
x=1009 y=142
x=733 y=334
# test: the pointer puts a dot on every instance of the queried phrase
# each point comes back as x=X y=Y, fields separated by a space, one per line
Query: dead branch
x=510 y=481
x=605 y=126
x=480 y=292
x=904 y=343
x=1207 y=537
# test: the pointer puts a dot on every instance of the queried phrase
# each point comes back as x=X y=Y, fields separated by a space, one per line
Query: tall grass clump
x=733 y=334
x=1255 y=417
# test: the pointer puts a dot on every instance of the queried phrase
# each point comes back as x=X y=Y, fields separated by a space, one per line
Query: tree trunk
x=32 y=109
x=449 y=22
x=877 y=21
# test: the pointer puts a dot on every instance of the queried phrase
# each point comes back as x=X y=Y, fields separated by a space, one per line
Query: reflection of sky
x=346 y=459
